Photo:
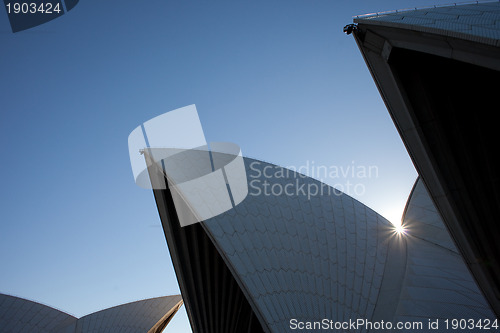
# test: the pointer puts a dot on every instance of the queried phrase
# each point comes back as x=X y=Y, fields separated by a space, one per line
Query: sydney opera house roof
x=294 y=257
x=286 y=251
x=149 y=315
x=437 y=70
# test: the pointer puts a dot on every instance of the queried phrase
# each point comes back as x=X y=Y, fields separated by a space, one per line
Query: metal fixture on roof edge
x=350 y=28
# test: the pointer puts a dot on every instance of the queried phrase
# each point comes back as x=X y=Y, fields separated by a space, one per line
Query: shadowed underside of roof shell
x=150 y=315
x=437 y=70
x=305 y=257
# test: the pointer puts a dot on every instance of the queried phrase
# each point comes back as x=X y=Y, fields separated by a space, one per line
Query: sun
x=400 y=229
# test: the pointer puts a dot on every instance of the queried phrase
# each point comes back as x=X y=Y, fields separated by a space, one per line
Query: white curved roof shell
x=149 y=315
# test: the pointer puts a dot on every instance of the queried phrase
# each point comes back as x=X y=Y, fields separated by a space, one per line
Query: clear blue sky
x=279 y=78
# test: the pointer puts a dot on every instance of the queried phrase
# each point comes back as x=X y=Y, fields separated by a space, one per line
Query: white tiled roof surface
x=132 y=317
x=21 y=315
x=437 y=283
x=304 y=259
x=326 y=257
x=478 y=22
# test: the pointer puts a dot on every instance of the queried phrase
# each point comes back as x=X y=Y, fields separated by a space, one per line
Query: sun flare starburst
x=400 y=230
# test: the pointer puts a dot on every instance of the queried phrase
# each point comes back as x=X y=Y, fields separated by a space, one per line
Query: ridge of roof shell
x=478 y=22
